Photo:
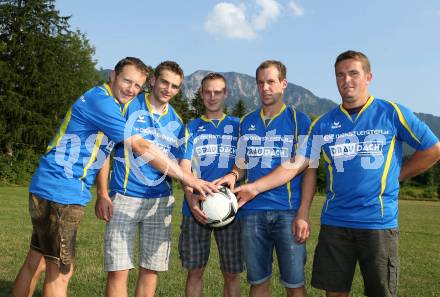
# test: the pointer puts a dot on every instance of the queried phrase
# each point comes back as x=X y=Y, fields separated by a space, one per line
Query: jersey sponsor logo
x=252 y=128
x=258 y=151
x=214 y=149
x=366 y=148
x=328 y=137
x=141 y=119
x=201 y=129
x=335 y=125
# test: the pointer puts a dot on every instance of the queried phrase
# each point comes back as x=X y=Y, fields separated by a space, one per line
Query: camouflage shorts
x=54 y=230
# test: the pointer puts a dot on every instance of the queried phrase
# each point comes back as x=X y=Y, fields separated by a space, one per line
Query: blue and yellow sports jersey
x=86 y=137
x=211 y=146
x=265 y=144
x=363 y=157
x=131 y=175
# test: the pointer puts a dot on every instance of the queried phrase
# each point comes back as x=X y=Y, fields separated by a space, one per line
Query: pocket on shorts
x=393 y=275
x=70 y=219
x=37 y=207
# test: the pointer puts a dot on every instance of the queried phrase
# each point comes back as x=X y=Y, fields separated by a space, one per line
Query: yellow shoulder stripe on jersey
x=196 y=165
x=124 y=110
x=212 y=122
x=109 y=92
x=272 y=118
x=95 y=151
x=147 y=102
x=242 y=118
x=178 y=116
x=296 y=129
x=150 y=108
x=385 y=172
x=313 y=124
x=403 y=121
x=169 y=185
x=345 y=112
x=330 y=172
x=108 y=89
x=369 y=101
x=61 y=132
x=126 y=155
x=127 y=167
x=310 y=130
x=186 y=138
x=289 y=193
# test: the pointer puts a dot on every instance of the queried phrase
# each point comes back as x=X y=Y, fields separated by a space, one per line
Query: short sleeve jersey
x=266 y=143
x=211 y=146
x=363 y=157
x=131 y=175
x=86 y=137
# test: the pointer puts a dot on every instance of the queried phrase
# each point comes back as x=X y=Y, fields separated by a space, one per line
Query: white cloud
x=297 y=9
x=229 y=20
x=270 y=10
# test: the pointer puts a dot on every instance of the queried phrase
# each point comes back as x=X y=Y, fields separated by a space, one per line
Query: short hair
x=131 y=61
x=170 y=66
x=213 y=76
x=282 y=71
x=358 y=56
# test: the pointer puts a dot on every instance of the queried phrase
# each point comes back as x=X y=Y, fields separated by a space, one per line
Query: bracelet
x=234 y=174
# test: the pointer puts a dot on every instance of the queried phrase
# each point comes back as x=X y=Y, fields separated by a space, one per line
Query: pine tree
x=239 y=109
x=197 y=107
x=44 y=67
x=180 y=104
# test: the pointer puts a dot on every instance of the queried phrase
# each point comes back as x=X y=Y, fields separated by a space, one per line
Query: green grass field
x=419 y=251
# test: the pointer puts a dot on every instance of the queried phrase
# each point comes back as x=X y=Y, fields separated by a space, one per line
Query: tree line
x=45 y=66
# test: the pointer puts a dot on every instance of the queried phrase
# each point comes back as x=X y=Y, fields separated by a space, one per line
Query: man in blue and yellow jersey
x=361 y=143
x=268 y=137
x=362 y=148
x=59 y=189
x=210 y=152
x=141 y=196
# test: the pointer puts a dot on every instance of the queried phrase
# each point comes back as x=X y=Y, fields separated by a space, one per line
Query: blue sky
x=401 y=38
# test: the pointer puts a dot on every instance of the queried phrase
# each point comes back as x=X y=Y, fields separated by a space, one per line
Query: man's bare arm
x=280 y=176
x=103 y=205
x=232 y=177
x=420 y=161
x=151 y=154
x=193 y=201
x=301 y=226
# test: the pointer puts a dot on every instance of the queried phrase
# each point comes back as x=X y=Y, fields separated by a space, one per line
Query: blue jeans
x=260 y=233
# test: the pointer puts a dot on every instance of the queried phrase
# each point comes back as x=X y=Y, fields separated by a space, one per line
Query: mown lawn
x=419 y=250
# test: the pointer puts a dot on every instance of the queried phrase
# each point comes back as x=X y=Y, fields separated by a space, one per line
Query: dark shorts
x=195 y=243
x=339 y=249
x=54 y=230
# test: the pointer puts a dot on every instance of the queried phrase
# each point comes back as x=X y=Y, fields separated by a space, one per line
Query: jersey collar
x=109 y=92
x=367 y=104
x=150 y=107
x=272 y=118
x=212 y=122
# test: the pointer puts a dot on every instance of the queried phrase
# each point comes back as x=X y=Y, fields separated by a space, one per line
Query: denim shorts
x=54 y=229
x=263 y=231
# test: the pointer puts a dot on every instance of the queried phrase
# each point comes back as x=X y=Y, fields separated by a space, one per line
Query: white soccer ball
x=220 y=207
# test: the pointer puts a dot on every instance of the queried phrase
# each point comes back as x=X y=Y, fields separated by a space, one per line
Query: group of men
x=274 y=150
